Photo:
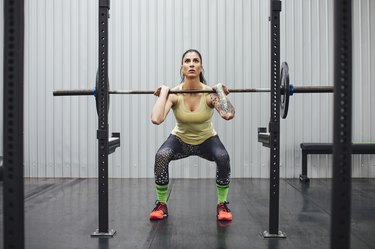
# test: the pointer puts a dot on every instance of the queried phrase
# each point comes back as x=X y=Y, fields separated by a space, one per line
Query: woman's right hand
x=163 y=89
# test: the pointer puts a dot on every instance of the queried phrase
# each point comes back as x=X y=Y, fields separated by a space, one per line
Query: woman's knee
x=162 y=159
x=221 y=156
x=164 y=155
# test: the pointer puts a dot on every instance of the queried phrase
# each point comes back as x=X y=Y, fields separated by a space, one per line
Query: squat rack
x=13 y=187
x=342 y=125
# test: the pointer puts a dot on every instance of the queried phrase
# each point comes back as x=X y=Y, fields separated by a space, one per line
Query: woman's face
x=191 y=65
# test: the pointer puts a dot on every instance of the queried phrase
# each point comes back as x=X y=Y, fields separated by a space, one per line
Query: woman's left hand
x=221 y=86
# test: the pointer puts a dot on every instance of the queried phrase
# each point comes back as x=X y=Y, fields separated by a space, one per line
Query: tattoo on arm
x=222 y=103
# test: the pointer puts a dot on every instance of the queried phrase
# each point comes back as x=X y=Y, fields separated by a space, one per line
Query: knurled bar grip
x=91 y=92
x=301 y=89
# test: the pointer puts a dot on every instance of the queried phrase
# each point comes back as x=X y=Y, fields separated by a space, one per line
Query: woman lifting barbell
x=194 y=133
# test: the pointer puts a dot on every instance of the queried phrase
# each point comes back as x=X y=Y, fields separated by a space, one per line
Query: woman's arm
x=162 y=105
x=221 y=103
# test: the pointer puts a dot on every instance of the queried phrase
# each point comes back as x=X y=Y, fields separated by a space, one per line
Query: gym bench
x=326 y=148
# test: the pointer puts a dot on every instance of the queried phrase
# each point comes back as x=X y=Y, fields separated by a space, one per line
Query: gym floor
x=62 y=213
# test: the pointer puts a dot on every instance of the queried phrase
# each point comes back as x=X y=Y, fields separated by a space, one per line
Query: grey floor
x=62 y=213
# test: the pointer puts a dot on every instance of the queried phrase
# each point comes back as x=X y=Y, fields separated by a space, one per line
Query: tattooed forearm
x=222 y=103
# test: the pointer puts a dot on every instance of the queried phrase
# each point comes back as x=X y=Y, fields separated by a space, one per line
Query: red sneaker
x=223 y=212
x=160 y=211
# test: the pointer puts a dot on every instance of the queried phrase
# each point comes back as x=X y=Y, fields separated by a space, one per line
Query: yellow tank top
x=193 y=127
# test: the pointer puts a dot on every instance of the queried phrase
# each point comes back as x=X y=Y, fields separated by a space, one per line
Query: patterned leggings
x=174 y=148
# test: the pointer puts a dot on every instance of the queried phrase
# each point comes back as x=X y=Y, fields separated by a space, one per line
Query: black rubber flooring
x=62 y=213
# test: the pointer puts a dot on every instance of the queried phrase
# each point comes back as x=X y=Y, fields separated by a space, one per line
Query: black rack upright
x=103 y=127
x=342 y=126
x=13 y=188
x=274 y=124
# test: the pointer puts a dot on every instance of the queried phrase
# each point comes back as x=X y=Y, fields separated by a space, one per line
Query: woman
x=194 y=133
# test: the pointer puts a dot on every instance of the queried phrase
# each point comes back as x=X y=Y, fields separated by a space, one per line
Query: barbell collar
x=312 y=89
x=73 y=92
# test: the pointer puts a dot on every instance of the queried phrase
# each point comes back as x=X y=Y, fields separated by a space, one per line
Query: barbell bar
x=87 y=92
x=286 y=90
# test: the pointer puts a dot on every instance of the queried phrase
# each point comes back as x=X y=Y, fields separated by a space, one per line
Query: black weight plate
x=96 y=92
x=285 y=90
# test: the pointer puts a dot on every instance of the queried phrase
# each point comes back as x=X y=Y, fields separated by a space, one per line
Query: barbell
x=286 y=90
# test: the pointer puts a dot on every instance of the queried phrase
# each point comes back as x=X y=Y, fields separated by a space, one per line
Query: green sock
x=161 y=192
x=222 y=193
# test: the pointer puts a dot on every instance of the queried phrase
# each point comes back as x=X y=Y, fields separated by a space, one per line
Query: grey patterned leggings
x=174 y=148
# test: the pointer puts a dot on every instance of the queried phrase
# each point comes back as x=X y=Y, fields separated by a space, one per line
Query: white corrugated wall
x=147 y=39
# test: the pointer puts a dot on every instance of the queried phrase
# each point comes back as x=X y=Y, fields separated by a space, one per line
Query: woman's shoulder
x=178 y=87
x=174 y=97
